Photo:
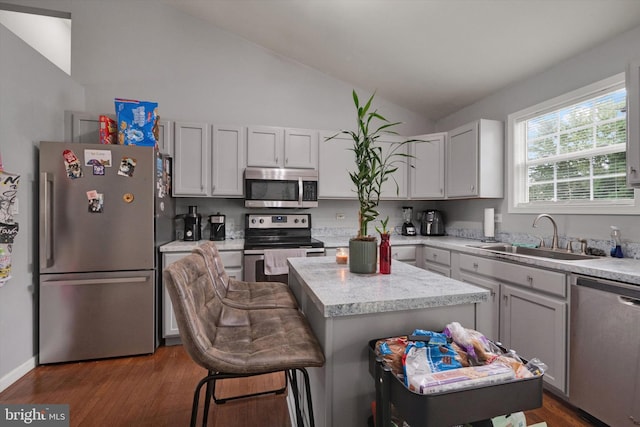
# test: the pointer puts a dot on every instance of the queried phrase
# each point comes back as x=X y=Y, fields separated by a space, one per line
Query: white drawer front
x=552 y=282
x=403 y=253
x=231 y=259
x=439 y=256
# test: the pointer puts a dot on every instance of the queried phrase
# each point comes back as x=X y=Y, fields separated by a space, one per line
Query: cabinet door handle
x=475 y=265
x=632 y=170
x=435 y=256
x=530 y=279
x=286 y=160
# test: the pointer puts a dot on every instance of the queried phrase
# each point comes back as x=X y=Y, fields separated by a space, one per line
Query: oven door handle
x=300 y=191
x=261 y=251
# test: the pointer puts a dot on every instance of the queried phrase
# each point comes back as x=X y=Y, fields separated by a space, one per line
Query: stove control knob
x=296 y=220
x=253 y=220
x=303 y=220
x=261 y=220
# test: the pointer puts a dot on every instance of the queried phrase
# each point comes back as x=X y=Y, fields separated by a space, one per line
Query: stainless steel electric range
x=270 y=232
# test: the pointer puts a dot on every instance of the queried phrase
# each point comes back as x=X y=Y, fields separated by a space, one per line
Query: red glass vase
x=385 y=254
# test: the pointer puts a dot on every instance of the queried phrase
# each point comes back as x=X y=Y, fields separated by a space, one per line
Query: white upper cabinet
x=396 y=186
x=85 y=127
x=426 y=176
x=265 y=146
x=335 y=161
x=227 y=160
x=475 y=160
x=301 y=148
x=275 y=147
x=208 y=165
x=165 y=137
x=191 y=159
x=633 y=123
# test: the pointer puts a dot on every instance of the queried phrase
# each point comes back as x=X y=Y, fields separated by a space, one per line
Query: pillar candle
x=489 y=224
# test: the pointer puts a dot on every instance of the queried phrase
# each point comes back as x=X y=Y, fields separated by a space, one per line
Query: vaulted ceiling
x=430 y=56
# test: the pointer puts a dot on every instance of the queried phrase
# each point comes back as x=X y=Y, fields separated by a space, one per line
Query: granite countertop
x=338 y=292
x=619 y=269
x=182 y=246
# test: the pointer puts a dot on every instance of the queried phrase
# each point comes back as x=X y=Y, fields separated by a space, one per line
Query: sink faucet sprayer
x=554 y=241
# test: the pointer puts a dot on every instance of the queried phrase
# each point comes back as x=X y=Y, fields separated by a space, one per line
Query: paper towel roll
x=489 y=224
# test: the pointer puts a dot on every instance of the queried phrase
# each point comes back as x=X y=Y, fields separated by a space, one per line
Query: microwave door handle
x=300 y=191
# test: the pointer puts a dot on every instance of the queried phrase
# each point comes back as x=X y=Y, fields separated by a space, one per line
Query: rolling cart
x=449 y=408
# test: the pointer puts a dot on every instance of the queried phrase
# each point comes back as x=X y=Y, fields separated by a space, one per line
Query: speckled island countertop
x=337 y=292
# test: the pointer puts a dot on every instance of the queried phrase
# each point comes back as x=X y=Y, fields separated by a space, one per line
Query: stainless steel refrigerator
x=104 y=210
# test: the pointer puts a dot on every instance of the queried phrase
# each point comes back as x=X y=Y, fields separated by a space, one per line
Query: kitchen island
x=347 y=310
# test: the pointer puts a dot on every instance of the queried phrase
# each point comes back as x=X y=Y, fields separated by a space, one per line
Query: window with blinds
x=570 y=153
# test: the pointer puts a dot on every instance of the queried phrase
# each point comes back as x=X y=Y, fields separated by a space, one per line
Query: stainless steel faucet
x=554 y=241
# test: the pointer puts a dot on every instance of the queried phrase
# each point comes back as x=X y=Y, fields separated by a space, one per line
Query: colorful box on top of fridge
x=137 y=122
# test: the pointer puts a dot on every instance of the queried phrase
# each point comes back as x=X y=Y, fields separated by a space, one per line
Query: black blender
x=407 y=226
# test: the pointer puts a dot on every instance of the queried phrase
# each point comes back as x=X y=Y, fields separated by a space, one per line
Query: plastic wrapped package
x=457 y=379
x=137 y=122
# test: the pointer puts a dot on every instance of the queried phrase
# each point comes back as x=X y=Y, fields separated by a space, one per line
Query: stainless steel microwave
x=280 y=188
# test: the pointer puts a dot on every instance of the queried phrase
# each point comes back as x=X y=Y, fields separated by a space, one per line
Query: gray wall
x=135 y=50
x=199 y=73
x=33 y=96
x=591 y=66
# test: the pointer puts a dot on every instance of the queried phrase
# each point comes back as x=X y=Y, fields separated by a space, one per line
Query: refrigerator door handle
x=96 y=281
x=46 y=211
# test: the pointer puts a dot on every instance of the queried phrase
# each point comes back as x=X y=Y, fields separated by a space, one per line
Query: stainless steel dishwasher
x=605 y=350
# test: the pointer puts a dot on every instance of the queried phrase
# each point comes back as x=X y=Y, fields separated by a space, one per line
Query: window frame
x=516 y=158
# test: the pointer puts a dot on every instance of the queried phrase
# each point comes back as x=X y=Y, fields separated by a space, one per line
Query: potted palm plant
x=373 y=167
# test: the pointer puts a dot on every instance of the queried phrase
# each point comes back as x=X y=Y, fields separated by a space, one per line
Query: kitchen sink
x=536 y=252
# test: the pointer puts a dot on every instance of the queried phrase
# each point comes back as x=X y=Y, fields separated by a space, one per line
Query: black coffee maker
x=217 y=226
x=192 y=224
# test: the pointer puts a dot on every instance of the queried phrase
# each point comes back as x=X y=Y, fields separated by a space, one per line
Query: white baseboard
x=17 y=373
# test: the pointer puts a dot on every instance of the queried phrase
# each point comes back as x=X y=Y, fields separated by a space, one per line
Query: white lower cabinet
x=535 y=325
x=232 y=261
x=487 y=314
x=527 y=310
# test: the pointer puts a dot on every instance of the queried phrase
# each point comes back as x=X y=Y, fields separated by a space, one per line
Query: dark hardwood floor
x=157 y=390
